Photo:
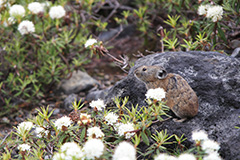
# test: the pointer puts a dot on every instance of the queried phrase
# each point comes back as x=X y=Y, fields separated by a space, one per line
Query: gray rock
x=56 y=111
x=236 y=53
x=214 y=77
x=119 y=32
x=99 y=94
x=79 y=81
x=5 y=120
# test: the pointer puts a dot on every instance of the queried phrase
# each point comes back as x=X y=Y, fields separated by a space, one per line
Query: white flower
x=186 y=156
x=57 y=12
x=63 y=121
x=99 y=104
x=111 y=118
x=24 y=147
x=26 y=27
x=95 y=132
x=124 y=150
x=25 y=126
x=210 y=146
x=124 y=128
x=212 y=156
x=59 y=156
x=164 y=156
x=17 y=10
x=199 y=135
x=40 y=132
x=157 y=93
x=84 y=119
x=202 y=10
x=90 y=42
x=35 y=7
x=215 y=13
x=93 y=148
x=72 y=150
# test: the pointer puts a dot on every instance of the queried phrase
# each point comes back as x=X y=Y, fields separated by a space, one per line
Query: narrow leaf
x=145 y=138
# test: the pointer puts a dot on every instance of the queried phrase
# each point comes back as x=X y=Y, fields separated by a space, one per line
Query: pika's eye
x=144 y=69
x=161 y=74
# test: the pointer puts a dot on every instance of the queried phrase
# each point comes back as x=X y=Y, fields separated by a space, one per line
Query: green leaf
x=83 y=133
x=149 y=152
x=221 y=33
x=145 y=138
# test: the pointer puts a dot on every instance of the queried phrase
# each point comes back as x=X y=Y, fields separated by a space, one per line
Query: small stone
x=6 y=120
x=106 y=77
x=56 y=111
x=79 y=82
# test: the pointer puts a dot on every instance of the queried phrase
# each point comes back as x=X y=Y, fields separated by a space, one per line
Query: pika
x=180 y=97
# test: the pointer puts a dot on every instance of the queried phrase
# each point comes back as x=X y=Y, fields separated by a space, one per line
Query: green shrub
x=96 y=133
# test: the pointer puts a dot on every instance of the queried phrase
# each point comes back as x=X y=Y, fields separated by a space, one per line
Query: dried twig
x=113 y=11
x=160 y=31
x=115 y=36
x=5 y=137
x=139 y=55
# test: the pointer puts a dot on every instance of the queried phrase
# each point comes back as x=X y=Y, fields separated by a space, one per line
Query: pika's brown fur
x=180 y=97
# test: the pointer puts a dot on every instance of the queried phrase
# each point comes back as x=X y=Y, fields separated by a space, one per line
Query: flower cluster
x=41 y=132
x=184 y=156
x=57 y=12
x=17 y=11
x=24 y=126
x=111 y=118
x=210 y=147
x=95 y=132
x=84 y=119
x=212 y=156
x=157 y=94
x=69 y=150
x=124 y=129
x=36 y=7
x=202 y=9
x=24 y=147
x=165 y=157
x=199 y=136
x=213 y=12
x=90 y=42
x=93 y=148
x=26 y=27
x=99 y=104
x=187 y=156
x=63 y=121
x=124 y=150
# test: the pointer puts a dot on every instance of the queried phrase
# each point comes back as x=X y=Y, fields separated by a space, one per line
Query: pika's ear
x=161 y=74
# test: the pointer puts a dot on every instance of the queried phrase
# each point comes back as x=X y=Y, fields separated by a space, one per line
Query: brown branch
x=119 y=32
x=113 y=11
